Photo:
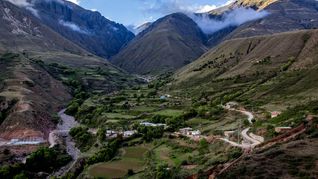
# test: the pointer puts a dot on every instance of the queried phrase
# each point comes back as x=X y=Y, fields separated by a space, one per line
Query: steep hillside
x=29 y=97
x=88 y=29
x=257 y=4
x=40 y=71
x=265 y=68
x=168 y=44
x=22 y=31
x=143 y=27
x=284 y=16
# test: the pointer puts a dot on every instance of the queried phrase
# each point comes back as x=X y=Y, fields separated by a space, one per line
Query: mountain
x=168 y=44
x=143 y=27
x=40 y=71
x=265 y=68
x=89 y=30
x=20 y=30
x=256 y=4
x=283 y=16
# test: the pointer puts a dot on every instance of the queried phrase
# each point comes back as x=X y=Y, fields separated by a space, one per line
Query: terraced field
x=132 y=158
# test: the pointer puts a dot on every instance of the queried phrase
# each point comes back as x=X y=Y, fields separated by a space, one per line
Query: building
x=282 y=129
x=230 y=105
x=275 y=114
x=185 y=131
x=111 y=133
x=149 y=124
x=188 y=131
x=129 y=133
x=195 y=133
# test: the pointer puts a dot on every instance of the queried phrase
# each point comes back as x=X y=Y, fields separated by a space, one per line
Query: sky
x=137 y=12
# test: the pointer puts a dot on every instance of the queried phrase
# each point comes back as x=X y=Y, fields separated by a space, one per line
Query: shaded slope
x=168 y=44
x=88 y=29
x=22 y=31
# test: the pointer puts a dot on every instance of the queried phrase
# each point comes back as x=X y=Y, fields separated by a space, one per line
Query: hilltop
x=167 y=44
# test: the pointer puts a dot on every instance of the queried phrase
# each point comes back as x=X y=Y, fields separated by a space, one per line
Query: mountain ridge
x=175 y=40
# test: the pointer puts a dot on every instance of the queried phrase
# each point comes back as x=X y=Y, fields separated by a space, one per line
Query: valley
x=230 y=92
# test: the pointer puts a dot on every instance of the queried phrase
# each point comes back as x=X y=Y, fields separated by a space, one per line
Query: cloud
x=73 y=26
x=205 y=8
x=235 y=17
x=165 y=7
x=208 y=25
x=25 y=4
x=74 y=1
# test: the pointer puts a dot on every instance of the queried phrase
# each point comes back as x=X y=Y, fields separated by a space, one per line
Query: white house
x=152 y=124
x=188 y=131
x=129 y=133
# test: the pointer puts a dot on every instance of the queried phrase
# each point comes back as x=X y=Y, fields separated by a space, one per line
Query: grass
x=170 y=155
x=230 y=121
x=162 y=153
x=144 y=109
x=170 y=112
x=132 y=158
x=197 y=121
x=119 y=116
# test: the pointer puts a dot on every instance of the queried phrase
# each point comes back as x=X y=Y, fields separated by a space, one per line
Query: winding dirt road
x=249 y=140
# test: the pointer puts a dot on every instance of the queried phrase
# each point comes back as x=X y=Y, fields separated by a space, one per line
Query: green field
x=119 y=116
x=132 y=158
x=170 y=112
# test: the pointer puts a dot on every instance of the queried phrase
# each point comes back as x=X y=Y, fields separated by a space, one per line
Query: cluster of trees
x=79 y=98
x=149 y=133
x=45 y=160
x=5 y=112
x=107 y=152
x=82 y=137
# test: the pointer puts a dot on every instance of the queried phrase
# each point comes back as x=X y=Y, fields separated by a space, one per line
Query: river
x=62 y=130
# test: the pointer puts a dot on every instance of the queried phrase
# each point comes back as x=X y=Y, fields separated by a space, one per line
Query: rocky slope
x=168 y=44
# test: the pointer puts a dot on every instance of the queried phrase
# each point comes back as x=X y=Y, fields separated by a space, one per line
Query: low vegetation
x=45 y=160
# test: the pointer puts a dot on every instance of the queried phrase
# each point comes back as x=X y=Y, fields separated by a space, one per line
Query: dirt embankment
x=29 y=97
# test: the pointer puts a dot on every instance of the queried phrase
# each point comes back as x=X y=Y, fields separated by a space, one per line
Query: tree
x=46 y=160
x=130 y=172
x=101 y=134
x=203 y=146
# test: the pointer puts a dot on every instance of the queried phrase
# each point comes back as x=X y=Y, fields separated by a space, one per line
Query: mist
x=235 y=17
x=25 y=4
x=72 y=26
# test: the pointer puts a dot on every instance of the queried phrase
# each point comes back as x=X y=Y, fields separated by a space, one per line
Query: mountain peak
x=167 y=44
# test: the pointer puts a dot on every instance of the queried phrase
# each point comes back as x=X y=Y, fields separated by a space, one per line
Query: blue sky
x=136 y=12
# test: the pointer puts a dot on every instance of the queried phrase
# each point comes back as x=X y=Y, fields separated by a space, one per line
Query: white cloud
x=235 y=17
x=74 y=1
x=165 y=7
x=25 y=4
x=72 y=26
x=205 y=8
